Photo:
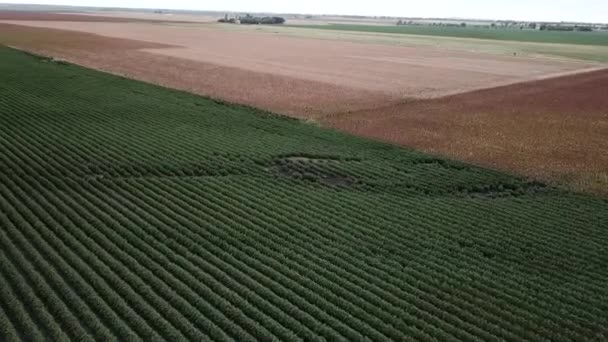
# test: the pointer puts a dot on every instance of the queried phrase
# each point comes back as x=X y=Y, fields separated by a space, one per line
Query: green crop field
x=130 y=211
x=556 y=37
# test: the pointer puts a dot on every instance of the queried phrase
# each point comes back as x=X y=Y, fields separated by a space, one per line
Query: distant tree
x=248 y=19
x=463 y=24
x=532 y=26
x=493 y=25
x=271 y=20
x=557 y=27
x=400 y=22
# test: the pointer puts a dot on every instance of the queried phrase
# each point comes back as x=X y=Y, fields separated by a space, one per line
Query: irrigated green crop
x=130 y=211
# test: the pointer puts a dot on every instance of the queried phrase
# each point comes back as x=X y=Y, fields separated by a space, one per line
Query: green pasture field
x=134 y=212
x=533 y=36
x=593 y=53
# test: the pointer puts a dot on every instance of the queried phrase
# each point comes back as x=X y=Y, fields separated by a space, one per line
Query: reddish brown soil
x=554 y=129
x=50 y=16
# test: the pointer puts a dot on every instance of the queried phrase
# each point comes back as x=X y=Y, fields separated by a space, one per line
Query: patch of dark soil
x=337 y=181
x=490 y=191
x=477 y=191
x=488 y=254
x=313 y=168
x=44 y=59
x=440 y=162
x=309 y=157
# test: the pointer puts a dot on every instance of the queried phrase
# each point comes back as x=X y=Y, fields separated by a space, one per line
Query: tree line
x=251 y=20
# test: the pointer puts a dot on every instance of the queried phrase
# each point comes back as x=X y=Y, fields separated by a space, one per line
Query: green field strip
x=554 y=37
x=385 y=304
x=189 y=220
x=98 y=223
x=130 y=211
x=20 y=304
x=7 y=327
x=338 y=270
x=102 y=268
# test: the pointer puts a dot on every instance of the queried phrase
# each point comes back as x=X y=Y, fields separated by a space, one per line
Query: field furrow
x=133 y=212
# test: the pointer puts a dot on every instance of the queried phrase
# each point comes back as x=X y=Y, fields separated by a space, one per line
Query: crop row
x=132 y=212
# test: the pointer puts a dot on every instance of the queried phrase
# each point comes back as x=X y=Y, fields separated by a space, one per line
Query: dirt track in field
x=553 y=129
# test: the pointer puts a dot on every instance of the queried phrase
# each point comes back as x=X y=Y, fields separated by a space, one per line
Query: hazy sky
x=549 y=10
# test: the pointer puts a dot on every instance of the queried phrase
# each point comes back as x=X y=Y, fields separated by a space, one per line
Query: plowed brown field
x=552 y=129
x=29 y=15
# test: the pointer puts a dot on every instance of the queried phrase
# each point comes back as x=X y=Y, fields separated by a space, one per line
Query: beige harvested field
x=397 y=71
x=381 y=86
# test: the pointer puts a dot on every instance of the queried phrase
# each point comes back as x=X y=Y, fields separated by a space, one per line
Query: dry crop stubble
x=401 y=71
x=295 y=97
x=553 y=129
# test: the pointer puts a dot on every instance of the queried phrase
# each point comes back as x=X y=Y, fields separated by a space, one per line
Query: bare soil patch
x=51 y=16
x=149 y=16
x=312 y=169
x=554 y=129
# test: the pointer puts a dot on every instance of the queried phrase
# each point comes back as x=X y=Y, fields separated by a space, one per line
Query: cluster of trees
x=249 y=19
x=510 y=25
x=547 y=27
x=410 y=22
x=263 y=20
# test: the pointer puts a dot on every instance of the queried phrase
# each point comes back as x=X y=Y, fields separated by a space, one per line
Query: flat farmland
x=578 y=38
x=99 y=17
x=134 y=212
x=400 y=71
x=328 y=186
x=552 y=129
x=491 y=103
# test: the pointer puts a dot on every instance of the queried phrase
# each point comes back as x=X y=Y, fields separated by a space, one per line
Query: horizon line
x=304 y=14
